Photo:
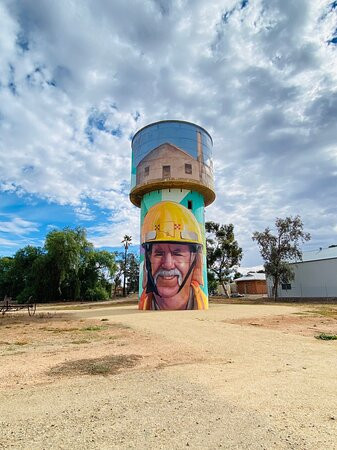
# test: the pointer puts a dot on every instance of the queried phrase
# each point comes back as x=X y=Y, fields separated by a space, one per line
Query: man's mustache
x=169 y=273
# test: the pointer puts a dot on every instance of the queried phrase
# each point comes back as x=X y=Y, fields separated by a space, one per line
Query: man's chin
x=167 y=292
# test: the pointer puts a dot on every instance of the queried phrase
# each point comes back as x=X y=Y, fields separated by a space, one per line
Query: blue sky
x=78 y=79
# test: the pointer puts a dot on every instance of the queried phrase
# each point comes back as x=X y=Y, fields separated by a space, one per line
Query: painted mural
x=173 y=259
x=172 y=183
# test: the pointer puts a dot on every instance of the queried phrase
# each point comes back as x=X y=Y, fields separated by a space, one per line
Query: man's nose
x=168 y=262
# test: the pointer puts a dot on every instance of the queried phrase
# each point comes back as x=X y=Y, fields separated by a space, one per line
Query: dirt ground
x=238 y=376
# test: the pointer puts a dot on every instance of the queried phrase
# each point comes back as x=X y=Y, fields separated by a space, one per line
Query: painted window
x=166 y=171
x=147 y=171
x=188 y=169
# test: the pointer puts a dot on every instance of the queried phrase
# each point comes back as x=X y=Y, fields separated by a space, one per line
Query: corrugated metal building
x=315 y=276
x=252 y=283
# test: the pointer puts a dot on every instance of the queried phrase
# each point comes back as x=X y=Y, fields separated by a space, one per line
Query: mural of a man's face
x=172 y=271
x=170 y=264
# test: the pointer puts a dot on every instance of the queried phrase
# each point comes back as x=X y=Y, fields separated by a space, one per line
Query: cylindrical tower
x=172 y=182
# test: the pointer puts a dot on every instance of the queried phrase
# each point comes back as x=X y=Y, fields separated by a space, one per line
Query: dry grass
x=94 y=328
x=264 y=300
x=60 y=330
x=80 y=341
x=107 y=365
x=326 y=311
x=306 y=323
x=21 y=343
x=33 y=348
x=87 y=306
x=47 y=331
x=10 y=319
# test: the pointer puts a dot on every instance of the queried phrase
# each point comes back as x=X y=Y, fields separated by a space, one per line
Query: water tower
x=172 y=182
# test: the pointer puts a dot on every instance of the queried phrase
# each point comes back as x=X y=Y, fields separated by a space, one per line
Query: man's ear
x=197 y=272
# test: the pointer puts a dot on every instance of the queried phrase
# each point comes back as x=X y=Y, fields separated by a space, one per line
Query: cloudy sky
x=78 y=79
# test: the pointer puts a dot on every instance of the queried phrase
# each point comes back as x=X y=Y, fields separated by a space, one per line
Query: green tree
x=212 y=282
x=131 y=269
x=96 y=274
x=66 y=248
x=16 y=273
x=68 y=267
x=117 y=278
x=133 y=272
x=6 y=276
x=23 y=272
x=44 y=279
x=223 y=251
x=280 y=248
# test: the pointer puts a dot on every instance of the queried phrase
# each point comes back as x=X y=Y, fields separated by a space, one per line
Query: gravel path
x=221 y=385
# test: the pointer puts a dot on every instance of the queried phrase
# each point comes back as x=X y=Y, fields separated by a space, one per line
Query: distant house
x=252 y=283
x=315 y=276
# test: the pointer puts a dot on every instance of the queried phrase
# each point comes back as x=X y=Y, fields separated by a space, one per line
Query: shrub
x=24 y=295
x=327 y=337
x=96 y=294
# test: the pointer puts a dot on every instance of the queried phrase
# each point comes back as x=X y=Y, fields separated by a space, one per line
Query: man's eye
x=158 y=254
x=177 y=254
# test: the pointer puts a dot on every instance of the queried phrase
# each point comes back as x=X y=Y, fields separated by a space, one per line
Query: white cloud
x=124 y=220
x=259 y=75
x=17 y=226
x=8 y=243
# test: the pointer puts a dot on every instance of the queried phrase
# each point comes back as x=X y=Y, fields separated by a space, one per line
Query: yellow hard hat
x=170 y=222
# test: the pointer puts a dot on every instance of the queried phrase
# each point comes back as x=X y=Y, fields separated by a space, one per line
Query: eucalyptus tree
x=223 y=252
x=281 y=248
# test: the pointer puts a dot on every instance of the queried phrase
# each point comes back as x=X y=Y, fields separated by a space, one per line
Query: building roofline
x=313 y=260
x=171 y=121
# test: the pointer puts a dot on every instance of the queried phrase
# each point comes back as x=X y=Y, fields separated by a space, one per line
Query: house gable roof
x=168 y=147
x=252 y=277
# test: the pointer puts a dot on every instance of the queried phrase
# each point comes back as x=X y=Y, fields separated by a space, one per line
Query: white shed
x=315 y=276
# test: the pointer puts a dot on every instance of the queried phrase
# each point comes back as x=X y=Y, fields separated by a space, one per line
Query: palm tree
x=126 y=242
